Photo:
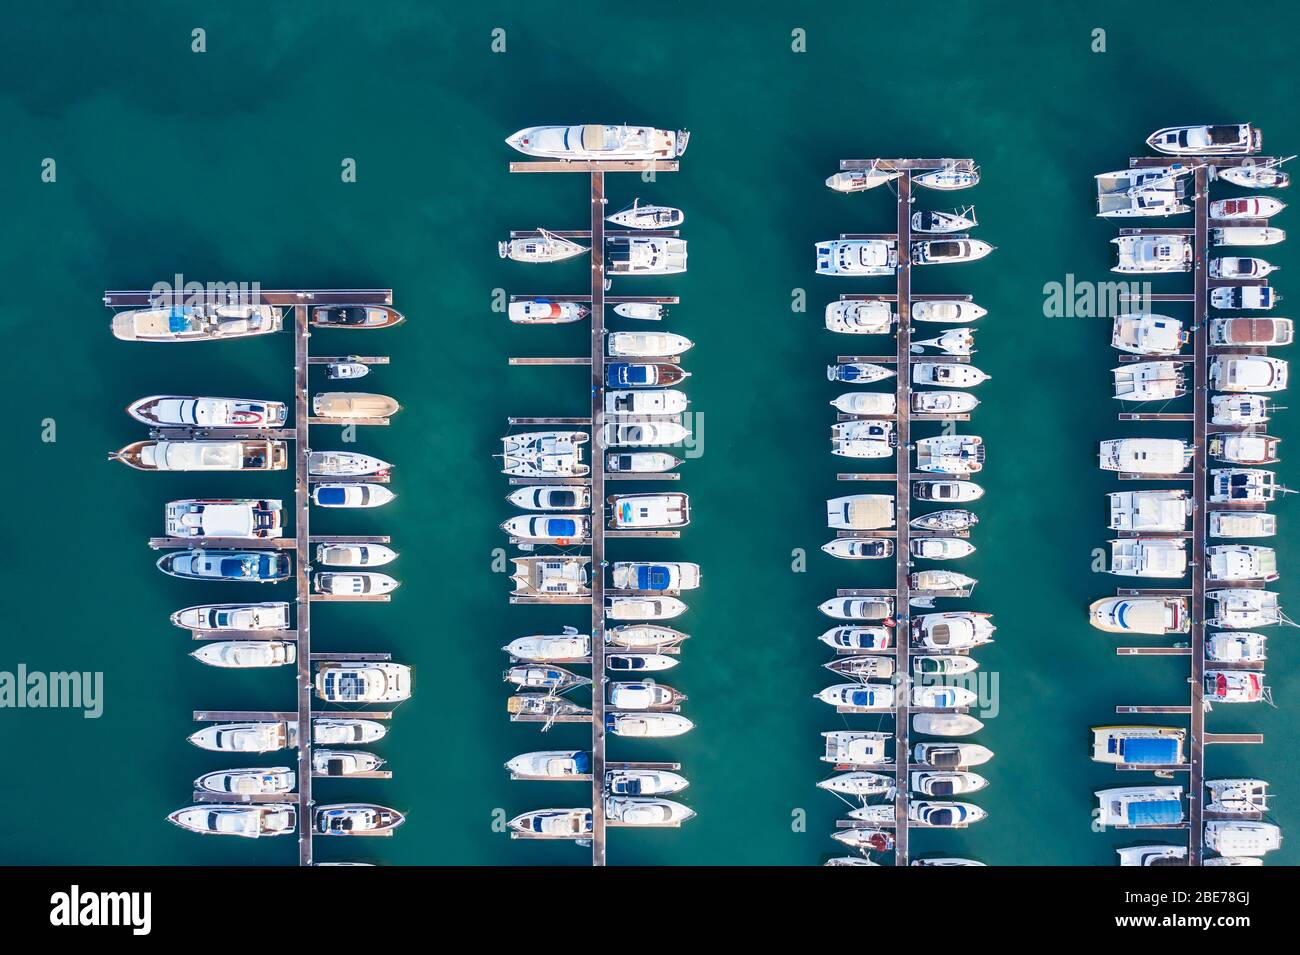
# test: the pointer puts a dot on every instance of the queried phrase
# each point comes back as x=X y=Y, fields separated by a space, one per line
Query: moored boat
x=356 y=316
x=356 y=819
x=244 y=518
x=1234 y=139
x=246 y=654
x=182 y=411
x=248 y=782
x=543 y=311
x=269 y=616
x=232 y=565
x=637 y=216
x=189 y=323
x=353 y=405
x=599 y=142
x=249 y=822
x=204 y=455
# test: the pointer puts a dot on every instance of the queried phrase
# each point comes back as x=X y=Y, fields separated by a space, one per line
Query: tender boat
x=237 y=616
x=249 y=822
x=551 y=576
x=859 y=784
x=860 y=512
x=1153 y=855
x=1249 y=447
x=568 y=647
x=1140 y=334
x=863 y=667
x=554 y=823
x=857 y=317
x=551 y=497
x=951 y=755
x=865 y=840
x=644 y=637
x=948 y=632
x=1148 y=557
x=1236 y=139
x=860 y=548
x=246 y=519
x=1242 y=609
x=356 y=316
x=255 y=455
x=353 y=405
x=857 y=257
x=1237 y=795
x=954 y=341
x=954 y=175
x=643 y=695
x=1153 y=253
x=946 y=724
x=1238 y=838
x=1251 y=331
x=536 y=676
x=542 y=311
x=1239 y=409
x=193 y=323
x=859 y=639
x=619 y=374
x=858 y=373
x=338 y=762
x=867 y=438
x=947 y=374
x=1154 y=511
x=264 y=737
x=950 y=520
x=644 y=782
x=646 y=344
x=1244 y=297
x=372 y=682
x=957 y=492
x=336 y=731
x=1137 y=807
x=860 y=180
x=854 y=748
x=638 y=662
x=647 y=725
x=1248 y=373
x=670 y=577
x=941 y=251
x=858 y=608
x=1149 y=381
x=344 y=464
x=1142 y=192
x=951 y=454
x=1236 y=686
x=343 y=370
x=637 y=216
x=1228 y=646
x=1246 y=235
x=1248 y=207
x=1239 y=524
x=249 y=782
x=643 y=255
x=650 y=401
x=1262 y=176
x=867 y=404
x=354 y=555
x=959 y=220
x=351 y=495
x=858 y=697
x=234 y=565
x=543 y=247
x=246 y=654
x=596 y=142
x=544 y=454
x=356 y=819
x=357 y=584
x=1146 y=455
x=649 y=510
x=1134 y=746
x=1140 y=615
x=946 y=310
x=641 y=311
x=943 y=815
x=550 y=764
x=643 y=608
x=178 y=411
x=640 y=462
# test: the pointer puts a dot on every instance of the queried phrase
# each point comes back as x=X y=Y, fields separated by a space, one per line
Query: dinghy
x=637 y=216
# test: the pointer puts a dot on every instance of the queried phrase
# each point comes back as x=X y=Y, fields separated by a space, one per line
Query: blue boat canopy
x=1149 y=750
x=330 y=495
x=652 y=578
x=178 y=319
x=1162 y=812
x=562 y=527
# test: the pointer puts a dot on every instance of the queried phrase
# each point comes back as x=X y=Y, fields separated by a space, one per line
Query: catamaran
x=1143 y=192
x=857 y=257
x=1156 y=456
x=645 y=255
x=1149 y=381
x=1137 y=807
x=1141 y=334
x=1150 y=511
x=1171 y=252
x=1148 y=557
x=1134 y=746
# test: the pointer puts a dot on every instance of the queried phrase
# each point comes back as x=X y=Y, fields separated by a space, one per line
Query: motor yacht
x=647 y=725
x=955 y=492
x=368 y=682
x=665 y=577
x=236 y=616
x=1242 y=524
x=1246 y=235
x=644 y=636
x=645 y=402
x=1140 y=615
x=341 y=762
x=179 y=411
x=191 y=323
x=860 y=317
x=947 y=310
x=354 y=555
x=338 y=731
x=241 y=519
x=1255 y=374
x=539 y=528
x=351 y=495
x=947 y=374
x=951 y=755
x=858 y=608
x=953 y=631
x=243 y=566
x=619 y=374
x=356 y=819
x=952 y=249
x=643 y=695
x=1242 y=838
x=254 y=455
x=562 y=576
x=544 y=311
x=857 y=257
x=860 y=548
x=1250 y=298
x=550 y=764
x=649 y=510
x=1236 y=139
x=246 y=654
x=1137 y=807
x=365 y=583
x=248 y=822
x=599 y=143
x=255 y=737
x=568 y=647
x=353 y=406
x=551 y=497
x=270 y=781
x=355 y=316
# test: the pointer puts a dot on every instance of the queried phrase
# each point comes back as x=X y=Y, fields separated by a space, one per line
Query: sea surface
x=225 y=166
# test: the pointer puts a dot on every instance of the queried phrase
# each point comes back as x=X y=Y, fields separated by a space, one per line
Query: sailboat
x=544 y=247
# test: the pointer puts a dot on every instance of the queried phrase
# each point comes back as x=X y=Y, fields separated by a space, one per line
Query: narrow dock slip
x=1212 y=620
x=571 y=470
x=244 y=632
x=883 y=621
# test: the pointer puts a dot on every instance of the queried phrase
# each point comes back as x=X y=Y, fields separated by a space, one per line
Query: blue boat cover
x=178 y=319
x=1163 y=812
x=330 y=495
x=652 y=578
x=1149 y=751
x=561 y=527
x=582 y=762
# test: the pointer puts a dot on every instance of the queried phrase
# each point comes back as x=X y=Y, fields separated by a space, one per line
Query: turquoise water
x=225 y=166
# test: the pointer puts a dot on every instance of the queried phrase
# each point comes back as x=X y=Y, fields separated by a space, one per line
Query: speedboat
x=865 y=840
x=1136 y=807
x=246 y=654
x=943 y=402
x=1141 y=334
x=662 y=577
x=858 y=373
x=1242 y=609
x=364 y=583
x=1242 y=524
x=1248 y=207
x=860 y=317
x=537 y=676
x=940 y=548
x=249 y=782
x=935 y=697
x=1249 y=447
x=1148 y=557
x=339 y=762
x=237 y=616
x=1153 y=511
x=1172 y=252
x=858 y=608
x=550 y=764
x=860 y=548
x=1134 y=746
x=543 y=311
x=1236 y=686
x=646 y=344
x=1140 y=615
x=951 y=454
x=959 y=220
x=957 y=492
x=1246 y=235
x=356 y=819
x=620 y=374
x=640 y=462
x=642 y=811
x=255 y=455
x=866 y=438
x=646 y=636
x=193 y=323
x=926 y=664
x=939 y=583
x=599 y=143
x=1249 y=373
x=642 y=433
x=370 y=682
x=1245 y=297
x=946 y=310
x=946 y=724
x=356 y=316
x=244 y=566
x=649 y=510
x=568 y=647
x=857 y=257
x=1236 y=139
x=353 y=405
x=551 y=497
x=346 y=370
x=859 y=639
x=1238 y=267
x=947 y=374
x=336 y=731
x=946 y=632
x=647 y=725
x=860 y=512
x=945 y=783
x=1251 y=331
x=249 y=822
x=1237 y=838
x=867 y=404
x=951 y=755
x=859 y=784
x=542 y=247
x=863 y=667
x=178 y=411
x=638 y=662
x=1228 y=646
x=952 y=175
x=1153 y=855
x=637 y=216
x=643 y=608
x=1257 y=176
x=1146 y=455
x=953 y=341
x=257 y=737
x=1239 y=409
x=351 y=495
x=949 y=520
x=854 y=748
x=1243 y=484
x=554 y=823
x=940 y=251
x=1142 y=192
x=643 y=695
x=246 y=519
x=644 y=782
x=1149 y=381
x=344 y=464
x=644 y=255
x=860 y=180
x=858 y=697
x=650 y=401
x=537 y=528
x=354 y=555
x=943 y=815
x=1237 y=795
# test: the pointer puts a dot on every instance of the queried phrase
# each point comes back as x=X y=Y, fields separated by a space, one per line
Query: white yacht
x=1239 y=409
x=568 y=647
x=242 y=519
x=1249 y=373
x=948 y=632
x=865 y=840
x=1236 y=646
x=949 y=177
x=1236 y=139
x=1141 y=334
x=1243 y=484
x=867 y=438
x=648 y=725
x=860 y=548
x=954 y=341
x=858 y=697
x=637 y=216
x=1246 y=207
x=253 y=455
x=645 y=401
x=1256 y=298
x=550 y=764
x=943 y=815
x=860 y=512
x=644 y=694
x=940 y=583
x=551 y=497
x=543 y=247
x=1150 y=511
x=1138 y=746
x=1148 y=557
x=857 y=257
x=1265 y=175
x=951 y=755
x=178 y=411
x=949 y=311
x=867 y=404
x=859 y=639
x=954 y=519
x=246 y=654
x=642 y=311
x=1236 y=686
x=1239 y=267
x=544 y=454
x=258 y=737
x=1242 y=838
x=645 y=255
x=863 y=666
x=353 y=405
x=853 y=748
x=946 y=724
x=943 y=402
x=368 y=682
x=599 y=143
x=956 y=492
x=1142 y=192
x=551 y=576
x=1242 y=609
x=960 y=454
x=943 y=223
x=647 y=344
x=1237 y=795
x=339 y=731
x=554 y=823
x=1137 y=807
x=644 y=636
x=351 y=495
x=354 y=555
x=934 y=697
x=640 y=462
x=341 y=762
x=1242 y=524
x=644 y=782
x=249 y=782
x=1153 y=855
x=357 y=584
x=1153 y=253
x=639 y=662
x=860 y=180
x=947 y=374
x=1146 y=455
x=356 y=819
x=643 y=608
x=860 y=317
x=945 y=782
x=543 y=311
x=1246 y=235
x=642 y=433
x=1140 y=615
x=858 y=373
x=649 y=510
x=193 y=323
x=248 y=822
x=940 y=548
x=943 y=251
x=670 y=577
x=344 y=464
x=240 y=616
x=859 y=784
x=858 y=608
